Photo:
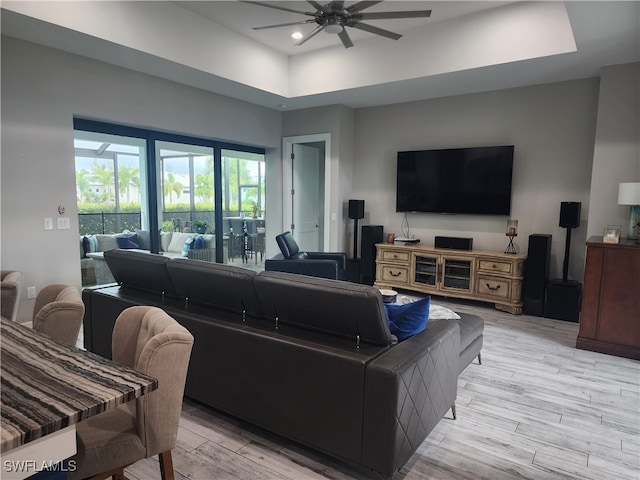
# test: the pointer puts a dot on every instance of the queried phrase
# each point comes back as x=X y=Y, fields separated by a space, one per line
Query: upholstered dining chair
x=148 y=340
x=10 y=284
x=58 y=312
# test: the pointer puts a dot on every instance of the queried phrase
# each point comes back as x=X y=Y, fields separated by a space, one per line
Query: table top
x=47 y=386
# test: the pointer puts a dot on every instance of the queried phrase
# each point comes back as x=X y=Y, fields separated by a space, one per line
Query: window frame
x=150 y=137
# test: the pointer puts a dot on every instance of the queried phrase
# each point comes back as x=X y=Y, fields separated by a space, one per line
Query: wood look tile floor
x=537 y=408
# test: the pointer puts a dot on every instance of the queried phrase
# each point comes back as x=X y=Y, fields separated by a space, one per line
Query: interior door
x=306 y=190
x=305 y=196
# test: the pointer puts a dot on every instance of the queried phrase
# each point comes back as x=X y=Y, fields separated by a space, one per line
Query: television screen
x=456 y=180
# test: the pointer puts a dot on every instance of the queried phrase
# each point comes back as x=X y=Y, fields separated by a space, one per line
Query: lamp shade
x=629 y=193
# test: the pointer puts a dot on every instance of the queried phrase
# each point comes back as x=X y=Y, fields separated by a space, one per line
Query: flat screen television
x=474 y=181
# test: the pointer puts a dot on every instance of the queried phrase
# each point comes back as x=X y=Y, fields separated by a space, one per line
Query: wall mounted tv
x=473 y=181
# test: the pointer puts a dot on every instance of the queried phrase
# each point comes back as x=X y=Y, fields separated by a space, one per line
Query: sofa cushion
x=329 y=306
x=106 y=242
x=178 y=241
x=165 y=240
x=223 y=286
x=210 y=240
x=127 y=240
x=409 y=319
x=137 y=270
x=471 y=327
x=93 y=244
x=144 y=239
x=85 y=245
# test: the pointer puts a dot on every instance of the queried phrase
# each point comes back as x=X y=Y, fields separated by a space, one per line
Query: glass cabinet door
x=456 y=274
x=426 y=270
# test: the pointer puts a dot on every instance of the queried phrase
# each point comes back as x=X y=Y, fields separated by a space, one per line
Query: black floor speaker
x=563 y=300
x=536 y=274
x=353 y=270
x=371 y=234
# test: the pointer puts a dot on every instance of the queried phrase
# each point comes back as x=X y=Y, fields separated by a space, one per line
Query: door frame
x=287 y=214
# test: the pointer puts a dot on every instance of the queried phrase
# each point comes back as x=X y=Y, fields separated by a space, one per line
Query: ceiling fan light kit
x=333 y=25
x=333 y=17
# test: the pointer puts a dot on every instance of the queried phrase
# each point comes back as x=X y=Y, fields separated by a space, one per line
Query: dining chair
x=150 y=341
x=10 y=284
x=58 y=312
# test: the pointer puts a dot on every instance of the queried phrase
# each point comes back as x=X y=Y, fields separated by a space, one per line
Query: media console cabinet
x=477 y=275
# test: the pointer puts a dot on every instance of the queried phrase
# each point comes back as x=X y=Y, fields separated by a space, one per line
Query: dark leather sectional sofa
x=308 y=358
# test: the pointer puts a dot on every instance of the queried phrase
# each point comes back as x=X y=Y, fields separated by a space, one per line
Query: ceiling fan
x=333 y=17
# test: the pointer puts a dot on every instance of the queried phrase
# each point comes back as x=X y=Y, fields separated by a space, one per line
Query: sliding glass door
x=111 y=187
x=186 y=187
x=132 y=180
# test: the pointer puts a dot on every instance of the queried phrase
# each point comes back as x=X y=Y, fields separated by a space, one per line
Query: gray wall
x=336 y=120
x=552 y=127
x=616 y=157
x=556 y=129
x=42 y=90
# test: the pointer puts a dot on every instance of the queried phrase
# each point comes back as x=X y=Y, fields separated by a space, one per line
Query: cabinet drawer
x=394 y=256
x=395 y=274
x=495 y=266
x=494 y=287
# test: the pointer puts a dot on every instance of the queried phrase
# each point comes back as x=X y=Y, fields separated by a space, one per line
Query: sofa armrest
x=310 y=267
x=339 y=257
x=407 y=391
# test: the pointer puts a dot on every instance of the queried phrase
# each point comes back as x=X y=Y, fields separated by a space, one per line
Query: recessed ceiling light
x=296 y=35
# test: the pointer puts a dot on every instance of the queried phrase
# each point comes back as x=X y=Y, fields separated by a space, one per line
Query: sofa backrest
x=329 y=306
x=141 y=271
x=287 y=244
x=214 y=284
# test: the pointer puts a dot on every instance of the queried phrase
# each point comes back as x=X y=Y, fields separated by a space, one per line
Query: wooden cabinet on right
x=610 y=317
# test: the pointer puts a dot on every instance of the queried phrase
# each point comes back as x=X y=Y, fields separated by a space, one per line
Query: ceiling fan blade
x=386 y=15
x=359 y=6
x=303 y=22
x=277 y=7
x=309 y=35
x=346 y=40
x=376 y=30
x=336 y=5
x=319 y=7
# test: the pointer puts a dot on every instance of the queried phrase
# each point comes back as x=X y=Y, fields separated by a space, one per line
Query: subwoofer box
x=454 y=243
x=563 y=300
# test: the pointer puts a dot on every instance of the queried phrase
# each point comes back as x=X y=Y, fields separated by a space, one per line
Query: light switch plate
x=48 y=223
x=64 y=223
x=31 y=292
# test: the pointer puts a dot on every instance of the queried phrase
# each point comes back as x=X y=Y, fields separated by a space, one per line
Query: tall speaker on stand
x=563 y=297
x=356 y=212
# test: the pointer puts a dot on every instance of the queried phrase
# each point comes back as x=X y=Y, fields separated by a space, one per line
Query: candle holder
x=512 y=232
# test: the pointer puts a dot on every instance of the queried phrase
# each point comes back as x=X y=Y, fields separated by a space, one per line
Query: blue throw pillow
x=408 y=319
x=129 y=240
x=198 y=243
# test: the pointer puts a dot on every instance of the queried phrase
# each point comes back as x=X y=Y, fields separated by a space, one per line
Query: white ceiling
x=241 y=17
x=464 y=47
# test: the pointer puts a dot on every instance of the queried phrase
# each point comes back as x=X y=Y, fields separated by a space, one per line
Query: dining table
x=47 y=388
